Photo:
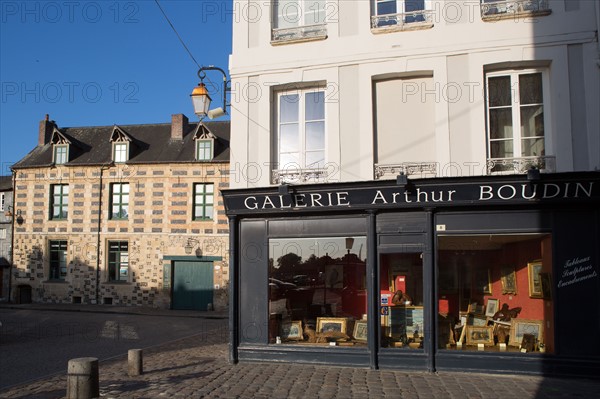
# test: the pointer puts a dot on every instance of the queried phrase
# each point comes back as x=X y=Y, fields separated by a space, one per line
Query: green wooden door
x=192 y=285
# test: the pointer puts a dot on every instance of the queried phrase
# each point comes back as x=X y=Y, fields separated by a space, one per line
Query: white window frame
x=2 y=234
x=2 y=201
x=401 y=14
x=516 y=114
x=64 y=158
x=120 y=155
x=301 y=129
x=302 y=22
x=202 y=154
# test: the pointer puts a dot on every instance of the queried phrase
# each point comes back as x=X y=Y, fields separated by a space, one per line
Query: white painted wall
x=456 y=50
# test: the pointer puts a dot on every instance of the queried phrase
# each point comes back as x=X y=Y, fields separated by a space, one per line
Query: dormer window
x=60 y=150
x=61 y=154
x=120 y=147
x=121 y=152
x=205 y=143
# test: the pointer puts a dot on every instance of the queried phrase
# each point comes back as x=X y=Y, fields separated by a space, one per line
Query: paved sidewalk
x=197 y=367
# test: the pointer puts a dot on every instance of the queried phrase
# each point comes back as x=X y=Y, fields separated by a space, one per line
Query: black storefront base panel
x=535 y=364
x=311 y=355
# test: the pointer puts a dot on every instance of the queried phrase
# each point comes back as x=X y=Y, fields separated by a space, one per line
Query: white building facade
x=375 y=144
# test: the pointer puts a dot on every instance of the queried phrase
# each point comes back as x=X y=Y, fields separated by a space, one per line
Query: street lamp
x=201 y=100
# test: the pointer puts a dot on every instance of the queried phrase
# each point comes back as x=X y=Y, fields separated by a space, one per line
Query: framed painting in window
x=534 y=270
x=509 y=280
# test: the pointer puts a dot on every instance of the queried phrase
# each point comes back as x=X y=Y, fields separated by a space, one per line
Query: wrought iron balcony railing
x=513 y=7
x=298 y=176
x=521 y=165
x=408 y=168
x=403 y=20
x=299 y=33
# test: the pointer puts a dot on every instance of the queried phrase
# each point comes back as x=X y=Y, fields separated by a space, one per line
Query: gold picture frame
x=360 y=330
x=292 y=331
x=509 y=280
x=480 y=335
x=534 y=270
x=520 y=327
x=492 y=307
x=327 y=324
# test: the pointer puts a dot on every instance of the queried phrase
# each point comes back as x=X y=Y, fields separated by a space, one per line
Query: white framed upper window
x=301 y=129
x=298 y=19
x=1 y=201
x=121 y=152
x=517 y=124
x=204 y=149
x=397 y=13
x=61 y=154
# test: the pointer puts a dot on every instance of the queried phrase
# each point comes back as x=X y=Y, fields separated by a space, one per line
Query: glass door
x=402 y=316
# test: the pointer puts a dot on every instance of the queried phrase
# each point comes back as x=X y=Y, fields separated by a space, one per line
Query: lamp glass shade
x=201 y=100
x=349 y=243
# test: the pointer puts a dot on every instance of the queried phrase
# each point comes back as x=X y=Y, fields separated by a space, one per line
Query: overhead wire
x=199 y=66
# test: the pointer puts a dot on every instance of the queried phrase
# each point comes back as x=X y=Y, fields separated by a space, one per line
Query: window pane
x=501 y=149
x=501 y=123
x=209 y=211
x=210 y=188
x=315 y=159
x=315 y=106
x=532 y=147
x=493 y=289
x=125 y=188
x=288 y=13
x=289 y=161
x=530 y=88
x=315 y=136
x=414 y=5
x=316 y=284
x=288 y=108
x=386 y=7
x=210 y=199
x=314 y=12
x=499 y=91
x=532 y=121
x=289 y=139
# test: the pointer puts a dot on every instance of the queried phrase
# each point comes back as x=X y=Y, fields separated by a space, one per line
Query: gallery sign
x=413 y=196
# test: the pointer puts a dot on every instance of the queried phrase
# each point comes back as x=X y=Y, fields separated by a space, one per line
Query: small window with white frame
x=296 y=20
x=121 y=152
x=401 y=14
x=517 y=124
x=61 y=154
x=1 y=201
x=204 y=150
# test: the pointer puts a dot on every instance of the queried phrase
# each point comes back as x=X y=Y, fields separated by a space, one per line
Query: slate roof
x=151 y=144
x=5 y=183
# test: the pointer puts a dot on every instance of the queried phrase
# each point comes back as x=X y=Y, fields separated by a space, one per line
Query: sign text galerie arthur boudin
x=419 y=196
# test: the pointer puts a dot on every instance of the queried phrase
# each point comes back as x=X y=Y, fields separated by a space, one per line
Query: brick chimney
x=179 y=126
x=45 y=132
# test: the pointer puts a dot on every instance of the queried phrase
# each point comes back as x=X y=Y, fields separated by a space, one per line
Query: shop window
x=401 y=14
x=58 y=259
x=495 y=293
x=300 y=135
x=119 y=201
x=204 y=199
x=402 y=310
x=59 y=201
x=298 y=20
x=317 y=291
x=517 y=125
x=118 y=261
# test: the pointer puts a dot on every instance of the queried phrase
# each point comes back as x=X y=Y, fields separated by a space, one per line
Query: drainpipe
x=12 y=234
x=597 y=4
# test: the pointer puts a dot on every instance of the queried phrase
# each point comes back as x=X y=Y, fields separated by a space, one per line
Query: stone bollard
x=82 y=378
x=134 y=362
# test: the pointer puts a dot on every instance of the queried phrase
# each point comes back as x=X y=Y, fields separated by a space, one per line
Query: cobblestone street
x=197 y=367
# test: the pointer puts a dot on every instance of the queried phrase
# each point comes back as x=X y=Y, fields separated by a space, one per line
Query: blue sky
x=105 y=62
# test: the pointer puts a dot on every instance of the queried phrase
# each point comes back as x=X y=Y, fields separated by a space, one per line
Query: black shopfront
x=496 y=274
